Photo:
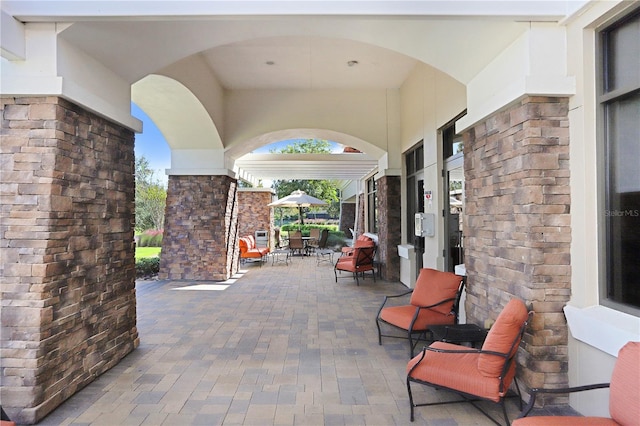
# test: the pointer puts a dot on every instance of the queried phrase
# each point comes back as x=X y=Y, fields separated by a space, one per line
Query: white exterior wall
x=429 y=99
x=596 y=332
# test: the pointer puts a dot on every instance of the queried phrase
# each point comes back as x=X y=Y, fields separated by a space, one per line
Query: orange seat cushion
x=501 y=337
x=458 y=371
x=624 y=399
x=401 y=316
x=563 y=421
x=433 y=286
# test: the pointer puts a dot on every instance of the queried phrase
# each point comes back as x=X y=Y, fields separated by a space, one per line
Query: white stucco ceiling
x=302 y=62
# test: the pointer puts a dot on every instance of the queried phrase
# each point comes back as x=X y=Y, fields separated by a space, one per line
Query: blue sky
x=153 y=146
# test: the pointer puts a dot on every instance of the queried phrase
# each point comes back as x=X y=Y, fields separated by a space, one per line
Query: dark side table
x=459 y=334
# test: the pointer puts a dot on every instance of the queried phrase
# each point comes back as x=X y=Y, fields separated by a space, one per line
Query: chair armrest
x=536 y=391
x=424 y=350
x=386 y=299
x=456 y=351
x=398 y=295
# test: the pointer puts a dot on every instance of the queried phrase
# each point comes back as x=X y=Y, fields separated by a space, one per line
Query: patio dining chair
x=434 y=300
x=624 y=396
x=474 y=374
x=321 y=241
x=296 y=244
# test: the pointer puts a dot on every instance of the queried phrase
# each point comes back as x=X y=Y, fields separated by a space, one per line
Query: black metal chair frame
x=421 y=334
x=469 y=398
x=535 y=391
x=368 y=258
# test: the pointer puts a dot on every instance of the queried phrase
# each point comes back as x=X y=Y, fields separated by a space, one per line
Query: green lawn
x=147 y=252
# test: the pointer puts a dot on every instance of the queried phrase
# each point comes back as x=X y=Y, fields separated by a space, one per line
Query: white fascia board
x=526 y=68
x=42 y=10
x=12 y=38
x=200 y=172
x=197 y=159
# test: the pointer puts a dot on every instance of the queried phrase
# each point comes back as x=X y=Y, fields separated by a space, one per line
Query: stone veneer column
x=389 y=226
x=67 y=253
x=347 y=218
x=361 y=216
x=254 y=214
x=517 y=227
x=200 y=231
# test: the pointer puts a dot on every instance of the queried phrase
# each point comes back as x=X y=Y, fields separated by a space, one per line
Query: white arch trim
x=248 y=146
x=178 y=113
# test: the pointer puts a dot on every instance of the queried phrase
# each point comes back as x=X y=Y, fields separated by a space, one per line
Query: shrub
x=147 y=266
x=306 y=227
x=151 y=238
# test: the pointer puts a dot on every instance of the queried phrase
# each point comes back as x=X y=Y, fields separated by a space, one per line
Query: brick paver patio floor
x=281 y=344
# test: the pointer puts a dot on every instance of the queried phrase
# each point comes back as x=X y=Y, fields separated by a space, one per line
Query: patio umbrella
x=298 y=199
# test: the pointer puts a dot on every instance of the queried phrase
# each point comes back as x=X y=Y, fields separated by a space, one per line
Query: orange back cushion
x=243 y=244
x=433 y=286
x=365 y=243
x=501 y=337
x=624 y=395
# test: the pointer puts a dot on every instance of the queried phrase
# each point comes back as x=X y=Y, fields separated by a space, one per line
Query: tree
x=307 y=146
x=326 y=190
x=151 y=197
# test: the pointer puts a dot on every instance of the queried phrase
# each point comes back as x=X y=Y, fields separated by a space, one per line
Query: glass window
x=414 y=160
x=620 y=109
x=372 y=206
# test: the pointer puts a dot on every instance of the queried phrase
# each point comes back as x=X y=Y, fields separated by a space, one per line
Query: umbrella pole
x=301 y=218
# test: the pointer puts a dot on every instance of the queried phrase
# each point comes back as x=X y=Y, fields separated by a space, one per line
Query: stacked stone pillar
x=347 y=218
x=254 y=213
x=389 y=222
x=517 y=227
x=67 y=252
x=200 y=232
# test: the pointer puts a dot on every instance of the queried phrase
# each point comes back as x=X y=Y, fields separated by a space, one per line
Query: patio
x=278 y=344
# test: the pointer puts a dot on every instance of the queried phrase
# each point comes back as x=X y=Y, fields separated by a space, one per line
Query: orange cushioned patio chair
x=358 y=262
x=435 y=300
x=361 y=241
x=474 y=374
x=249 y=250
x=624 y=396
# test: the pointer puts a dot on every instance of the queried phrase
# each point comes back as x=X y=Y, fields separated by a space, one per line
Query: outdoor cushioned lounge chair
x=358 y=262
x=474 y=374
x=624 y=396
x=361 y=241
x=249 y=250
x=435 y=300
x=4 y=419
